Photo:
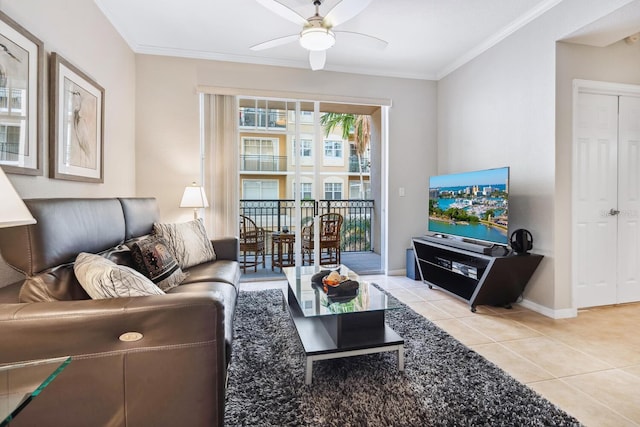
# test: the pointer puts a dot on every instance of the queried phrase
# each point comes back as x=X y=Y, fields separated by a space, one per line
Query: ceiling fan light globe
x=317 y=38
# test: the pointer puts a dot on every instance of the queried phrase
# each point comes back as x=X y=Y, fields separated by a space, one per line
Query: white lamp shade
x=317 y=58
x=315 y=38
x=194 y=197
x=13 y=212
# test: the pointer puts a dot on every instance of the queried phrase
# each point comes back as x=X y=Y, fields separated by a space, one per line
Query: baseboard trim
x=564 y=313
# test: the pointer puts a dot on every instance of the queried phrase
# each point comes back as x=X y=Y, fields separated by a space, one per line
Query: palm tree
x=356 y=124
x=355 y=234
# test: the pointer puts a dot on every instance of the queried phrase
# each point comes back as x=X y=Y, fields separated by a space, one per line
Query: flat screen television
x=471 y=205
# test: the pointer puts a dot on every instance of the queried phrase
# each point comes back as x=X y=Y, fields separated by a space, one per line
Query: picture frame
x=76 y=124
x=22 y=60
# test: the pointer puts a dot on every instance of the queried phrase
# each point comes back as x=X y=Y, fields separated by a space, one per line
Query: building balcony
x=260 y=163
x=353 y=165
x=356 y=234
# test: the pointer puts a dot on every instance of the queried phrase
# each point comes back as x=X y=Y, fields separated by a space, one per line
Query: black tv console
x=475 y=277
x=460 y=243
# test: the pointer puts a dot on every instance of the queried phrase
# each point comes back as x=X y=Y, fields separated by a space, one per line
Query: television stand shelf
x=476 y=278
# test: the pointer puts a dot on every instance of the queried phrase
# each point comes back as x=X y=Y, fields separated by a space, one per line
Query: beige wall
x=167 y=135
x=499 y=109
x=78 y=31
x=617 y=63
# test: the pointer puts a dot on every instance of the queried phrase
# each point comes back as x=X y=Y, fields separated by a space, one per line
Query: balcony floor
x=360 y=262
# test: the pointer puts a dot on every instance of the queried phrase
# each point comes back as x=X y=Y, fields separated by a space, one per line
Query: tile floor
x=589 y=366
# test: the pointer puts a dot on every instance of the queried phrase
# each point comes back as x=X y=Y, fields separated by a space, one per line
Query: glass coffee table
x=342 y=326
x=22 y=382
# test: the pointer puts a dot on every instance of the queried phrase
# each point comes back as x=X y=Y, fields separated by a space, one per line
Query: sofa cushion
x=187 y=241
x=153 y=258
x=10 y=294
x=140 y=213
x=64 y=228
x=102 y=278
x=55 y=284
x=60 y=283
x=219 y=271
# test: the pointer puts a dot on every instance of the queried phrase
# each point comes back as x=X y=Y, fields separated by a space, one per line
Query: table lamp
x=194 y=197
x=13 y=211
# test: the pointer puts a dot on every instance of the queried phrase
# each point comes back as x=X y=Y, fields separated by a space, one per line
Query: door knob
x=613 y=212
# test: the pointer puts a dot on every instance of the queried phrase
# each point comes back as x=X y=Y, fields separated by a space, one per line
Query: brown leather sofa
x=174 y=375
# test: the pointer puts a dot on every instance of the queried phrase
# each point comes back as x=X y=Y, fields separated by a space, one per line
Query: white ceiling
x=427 y=38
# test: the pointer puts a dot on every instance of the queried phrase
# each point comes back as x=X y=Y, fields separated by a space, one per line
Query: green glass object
x=21 y=383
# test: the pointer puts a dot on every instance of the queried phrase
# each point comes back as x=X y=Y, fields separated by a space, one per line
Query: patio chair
x=252 y=240
x=330 y=224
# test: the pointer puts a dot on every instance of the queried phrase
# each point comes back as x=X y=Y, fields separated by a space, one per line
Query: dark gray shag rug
x=444 y=382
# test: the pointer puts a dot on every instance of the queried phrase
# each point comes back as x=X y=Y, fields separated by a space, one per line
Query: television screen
x=472 y=205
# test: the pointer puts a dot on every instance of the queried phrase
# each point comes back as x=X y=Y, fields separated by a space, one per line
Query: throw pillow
x=187 y=241
x=102 y=278
x=152 y=257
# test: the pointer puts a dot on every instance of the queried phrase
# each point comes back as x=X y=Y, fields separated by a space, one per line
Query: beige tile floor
x=589 y=365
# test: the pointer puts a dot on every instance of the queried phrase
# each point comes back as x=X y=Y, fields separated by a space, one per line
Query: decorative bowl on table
x=334 y=284
x=333 y=279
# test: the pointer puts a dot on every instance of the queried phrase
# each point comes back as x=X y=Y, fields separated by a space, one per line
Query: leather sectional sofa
x=174 y=375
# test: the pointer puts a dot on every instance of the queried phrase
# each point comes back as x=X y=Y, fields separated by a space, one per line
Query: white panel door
x=595 y=195
x=629 y=200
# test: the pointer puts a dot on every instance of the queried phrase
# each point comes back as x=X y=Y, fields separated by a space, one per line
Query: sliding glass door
x=300 y=160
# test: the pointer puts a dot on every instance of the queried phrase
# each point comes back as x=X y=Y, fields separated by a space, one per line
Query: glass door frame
x=316 y=174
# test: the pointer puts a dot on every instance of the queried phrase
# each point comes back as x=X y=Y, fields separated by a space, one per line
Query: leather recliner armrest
x=178 y=365
x=226 y=248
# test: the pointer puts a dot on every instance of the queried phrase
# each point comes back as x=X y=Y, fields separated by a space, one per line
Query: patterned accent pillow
x=102 y=278
x=152 y=257
x=188 y=241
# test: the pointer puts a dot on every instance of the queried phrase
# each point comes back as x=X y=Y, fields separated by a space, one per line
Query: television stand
x=466 y=244
x=477 y=278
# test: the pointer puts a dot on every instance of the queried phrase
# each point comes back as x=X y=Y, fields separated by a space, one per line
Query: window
x=262 y=114
x=333 y=148
x=252 y=117
x=306 y=116
x=277 y=119
x=333 y=190
x=260 y=154
x=354 y=190
x=259 y=146
x=11 y=100
x=254 y=189
x=4 y=99
x=306 y=147
x=9 y=142
x=306 y=191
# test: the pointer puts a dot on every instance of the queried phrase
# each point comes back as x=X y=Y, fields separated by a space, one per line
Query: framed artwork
x=76 y=124
x=21 y=93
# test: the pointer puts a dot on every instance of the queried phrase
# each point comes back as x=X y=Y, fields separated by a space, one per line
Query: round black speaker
x=521 y=241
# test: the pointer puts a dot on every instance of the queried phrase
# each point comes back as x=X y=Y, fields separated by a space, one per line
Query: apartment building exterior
x=268 y=161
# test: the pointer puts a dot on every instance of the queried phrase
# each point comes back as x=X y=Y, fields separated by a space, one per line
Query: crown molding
x=498 y=37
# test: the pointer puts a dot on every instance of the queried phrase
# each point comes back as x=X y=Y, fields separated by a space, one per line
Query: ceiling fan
x=317 y=33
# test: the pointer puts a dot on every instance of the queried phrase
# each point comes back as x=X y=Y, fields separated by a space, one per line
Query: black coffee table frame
x=339 y=335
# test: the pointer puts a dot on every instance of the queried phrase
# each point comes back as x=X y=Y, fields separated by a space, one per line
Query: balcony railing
x=275 y=215
x=260 y=163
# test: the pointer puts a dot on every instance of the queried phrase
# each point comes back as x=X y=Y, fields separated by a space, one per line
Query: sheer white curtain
x=219 y=136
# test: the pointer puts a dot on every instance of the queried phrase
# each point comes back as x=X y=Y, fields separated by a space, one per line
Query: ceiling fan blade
x=344 y=11
x=275 y=42
x=317 y=58
x=362 y=40
x=284 y=11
